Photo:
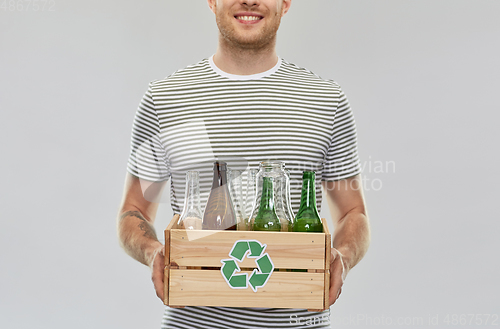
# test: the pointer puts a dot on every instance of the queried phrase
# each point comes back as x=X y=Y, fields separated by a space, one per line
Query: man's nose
x=250 y=2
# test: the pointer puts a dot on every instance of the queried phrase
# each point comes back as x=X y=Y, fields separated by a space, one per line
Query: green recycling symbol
x=251 y=249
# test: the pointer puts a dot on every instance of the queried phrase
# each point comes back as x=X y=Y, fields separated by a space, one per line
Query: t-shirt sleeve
x=148 y=158
x=342 y=159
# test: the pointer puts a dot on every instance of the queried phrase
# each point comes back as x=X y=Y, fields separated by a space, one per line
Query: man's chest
x=255 y=122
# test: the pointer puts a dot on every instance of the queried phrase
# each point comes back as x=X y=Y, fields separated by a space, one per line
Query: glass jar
x=281 y=193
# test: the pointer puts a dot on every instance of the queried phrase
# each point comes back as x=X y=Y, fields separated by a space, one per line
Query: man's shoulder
x=301 y=74
x=188 y=74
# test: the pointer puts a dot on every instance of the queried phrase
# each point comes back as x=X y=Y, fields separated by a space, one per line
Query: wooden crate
x=188 y=282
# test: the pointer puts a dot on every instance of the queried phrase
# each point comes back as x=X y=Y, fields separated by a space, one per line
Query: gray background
x=422 y=77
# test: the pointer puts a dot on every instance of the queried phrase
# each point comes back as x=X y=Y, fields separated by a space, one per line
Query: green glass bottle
x=308 y=219
x=266 y=218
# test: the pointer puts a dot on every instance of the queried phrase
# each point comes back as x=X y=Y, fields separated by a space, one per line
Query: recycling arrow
x=251 y=249
x=256 y=248
x=237 y=281
x=239 y=250
x=257 y=280
x=266 y=267
x=228 y=268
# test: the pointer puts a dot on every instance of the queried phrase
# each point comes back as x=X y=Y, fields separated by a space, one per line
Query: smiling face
x=249 y=24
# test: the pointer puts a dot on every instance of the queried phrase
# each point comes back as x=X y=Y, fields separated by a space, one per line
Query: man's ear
x=212 y=4
x=285 y=7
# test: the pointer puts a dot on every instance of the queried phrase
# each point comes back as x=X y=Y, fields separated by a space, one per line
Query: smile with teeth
x=249 y=18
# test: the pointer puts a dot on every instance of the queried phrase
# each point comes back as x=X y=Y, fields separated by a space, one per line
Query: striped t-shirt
x=200 y=113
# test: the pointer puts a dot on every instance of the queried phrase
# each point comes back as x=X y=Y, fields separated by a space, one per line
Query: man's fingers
x=336 y=276
x=157 y=272
x=335 y=288
x=158 y=284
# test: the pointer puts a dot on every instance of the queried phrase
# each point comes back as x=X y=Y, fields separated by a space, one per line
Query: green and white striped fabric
x=243 y=318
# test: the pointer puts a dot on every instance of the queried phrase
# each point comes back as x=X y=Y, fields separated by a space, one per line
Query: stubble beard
x=265 y=38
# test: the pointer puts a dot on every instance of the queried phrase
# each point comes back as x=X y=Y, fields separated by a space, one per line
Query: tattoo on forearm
x=144 y=225
x=149 y=231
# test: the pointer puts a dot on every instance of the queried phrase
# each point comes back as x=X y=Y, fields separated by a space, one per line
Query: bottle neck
x=192 y=194
x=220 y=174
x=192 y=197
x=251 y=182
x=220 y=178
x=267 y=199
x=308 y=196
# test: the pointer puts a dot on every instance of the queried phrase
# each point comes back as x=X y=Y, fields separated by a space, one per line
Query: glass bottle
x=266 y=218
x=190 y=218
x=236 y=191
x=282 y=201
x=288 y=202
x=280 y=180
x=219 y=212
x=251 y=194
x=308 y=219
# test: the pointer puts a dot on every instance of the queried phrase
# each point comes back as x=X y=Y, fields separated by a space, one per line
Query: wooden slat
x=283 y=290
x=290 y=250
x=167 y=267
x=328 y=250
x=165 y=285
x=173 y=222
x=167 y=258
x=325 y=226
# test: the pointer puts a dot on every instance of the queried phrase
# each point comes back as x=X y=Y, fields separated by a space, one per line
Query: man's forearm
x=352 y=237
x=138 y=236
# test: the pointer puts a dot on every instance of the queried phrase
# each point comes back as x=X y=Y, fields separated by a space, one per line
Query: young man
x=244 y=102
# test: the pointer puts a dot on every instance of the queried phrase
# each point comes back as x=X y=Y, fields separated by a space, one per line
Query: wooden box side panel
x=284 y=290
x=328 y=250
x=291 y=250
x=166 y=271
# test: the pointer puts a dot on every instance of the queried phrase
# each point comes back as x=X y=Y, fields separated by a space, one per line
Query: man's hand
x=351 y=236
x=338 y=272
x=157 y=267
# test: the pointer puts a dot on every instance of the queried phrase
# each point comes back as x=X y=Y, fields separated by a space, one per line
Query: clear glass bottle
x=288 y=201
x=219 y=211
x=250 y=195
x=283 y=204
x=191 y=216
x=236 y=191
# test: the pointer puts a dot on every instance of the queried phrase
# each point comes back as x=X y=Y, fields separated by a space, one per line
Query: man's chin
x=253 y=42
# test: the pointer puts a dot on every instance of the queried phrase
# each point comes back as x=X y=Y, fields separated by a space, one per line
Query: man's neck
x=245 y=61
